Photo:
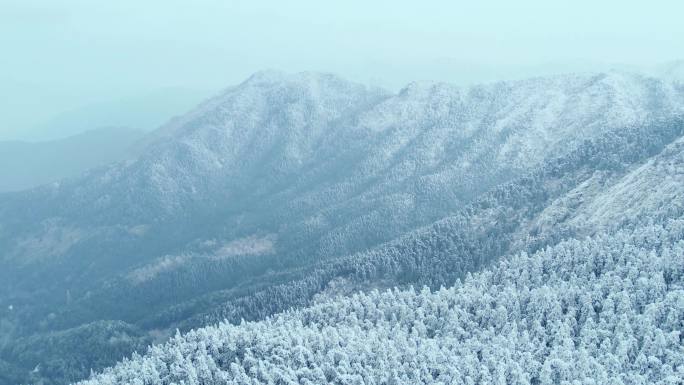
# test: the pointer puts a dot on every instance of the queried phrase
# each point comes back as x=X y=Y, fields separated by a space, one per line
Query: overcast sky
x=61 y=59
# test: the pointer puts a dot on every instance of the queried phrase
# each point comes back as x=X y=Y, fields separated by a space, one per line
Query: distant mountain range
x=290 y=189
x=59 y=119
x=673 y=70
x=25 y=165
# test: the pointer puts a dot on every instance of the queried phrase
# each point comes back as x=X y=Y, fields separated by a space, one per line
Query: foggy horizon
x=136 y=65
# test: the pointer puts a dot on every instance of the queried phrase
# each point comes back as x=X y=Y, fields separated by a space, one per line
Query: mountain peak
x=266 y=76
x=305 y=78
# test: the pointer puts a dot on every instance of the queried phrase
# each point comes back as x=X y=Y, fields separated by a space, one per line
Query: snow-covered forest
x=606 y=309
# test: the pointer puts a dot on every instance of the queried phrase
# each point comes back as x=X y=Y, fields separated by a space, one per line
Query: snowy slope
x=528 y=213
x=651 y=190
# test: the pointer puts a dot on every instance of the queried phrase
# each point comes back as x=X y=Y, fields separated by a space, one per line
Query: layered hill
x=288 y=188
x=25 y=165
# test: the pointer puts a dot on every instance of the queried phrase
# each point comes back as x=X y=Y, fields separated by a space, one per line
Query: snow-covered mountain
x=286 y=187
x=313 y=154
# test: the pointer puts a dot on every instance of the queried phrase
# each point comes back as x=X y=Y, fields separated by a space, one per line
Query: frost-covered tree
x=595 y=310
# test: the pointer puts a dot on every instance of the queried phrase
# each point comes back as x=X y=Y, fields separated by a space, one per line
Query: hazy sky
x=87 y=61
